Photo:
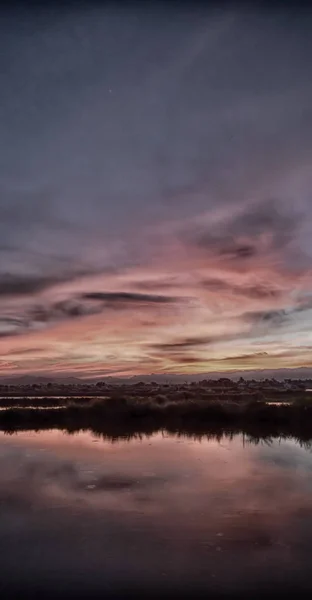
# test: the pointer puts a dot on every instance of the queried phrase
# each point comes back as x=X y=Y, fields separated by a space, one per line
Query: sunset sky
x=156 y=189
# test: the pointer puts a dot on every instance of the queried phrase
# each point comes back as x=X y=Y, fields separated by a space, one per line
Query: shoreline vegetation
x=118 y=416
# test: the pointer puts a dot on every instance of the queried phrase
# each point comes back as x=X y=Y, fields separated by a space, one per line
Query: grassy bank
x=123 y=417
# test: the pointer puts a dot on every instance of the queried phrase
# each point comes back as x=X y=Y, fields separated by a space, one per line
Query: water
x=278 y=403
x=81 y=515
x=29 y=407
x=51 y=397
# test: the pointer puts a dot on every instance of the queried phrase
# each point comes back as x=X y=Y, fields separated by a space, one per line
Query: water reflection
x=160 y=514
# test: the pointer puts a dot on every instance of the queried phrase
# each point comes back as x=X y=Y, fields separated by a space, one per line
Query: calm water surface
x=80 y=515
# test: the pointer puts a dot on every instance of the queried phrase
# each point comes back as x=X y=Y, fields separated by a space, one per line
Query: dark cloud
x=267 y=317
x=240 y=358
x=12 y=284
x=276 y=318
x=244 y=357
x=19 y=285
x=303 y=304
x=78 y=306
x=224 y=245
x=184 y=344
x=186 y=360
x=257 y=292
x=177 y=353
x=268 y=217
x=179 y=345
x=128 y=297
x=169 y=283
x=237 y=251
x=66 y=309
x=11 y=326
x=258 y=228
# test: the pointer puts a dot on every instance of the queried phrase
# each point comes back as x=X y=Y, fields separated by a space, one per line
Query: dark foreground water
x=164 y=516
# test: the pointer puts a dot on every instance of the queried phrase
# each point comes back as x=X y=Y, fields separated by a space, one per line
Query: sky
x=155 y=188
